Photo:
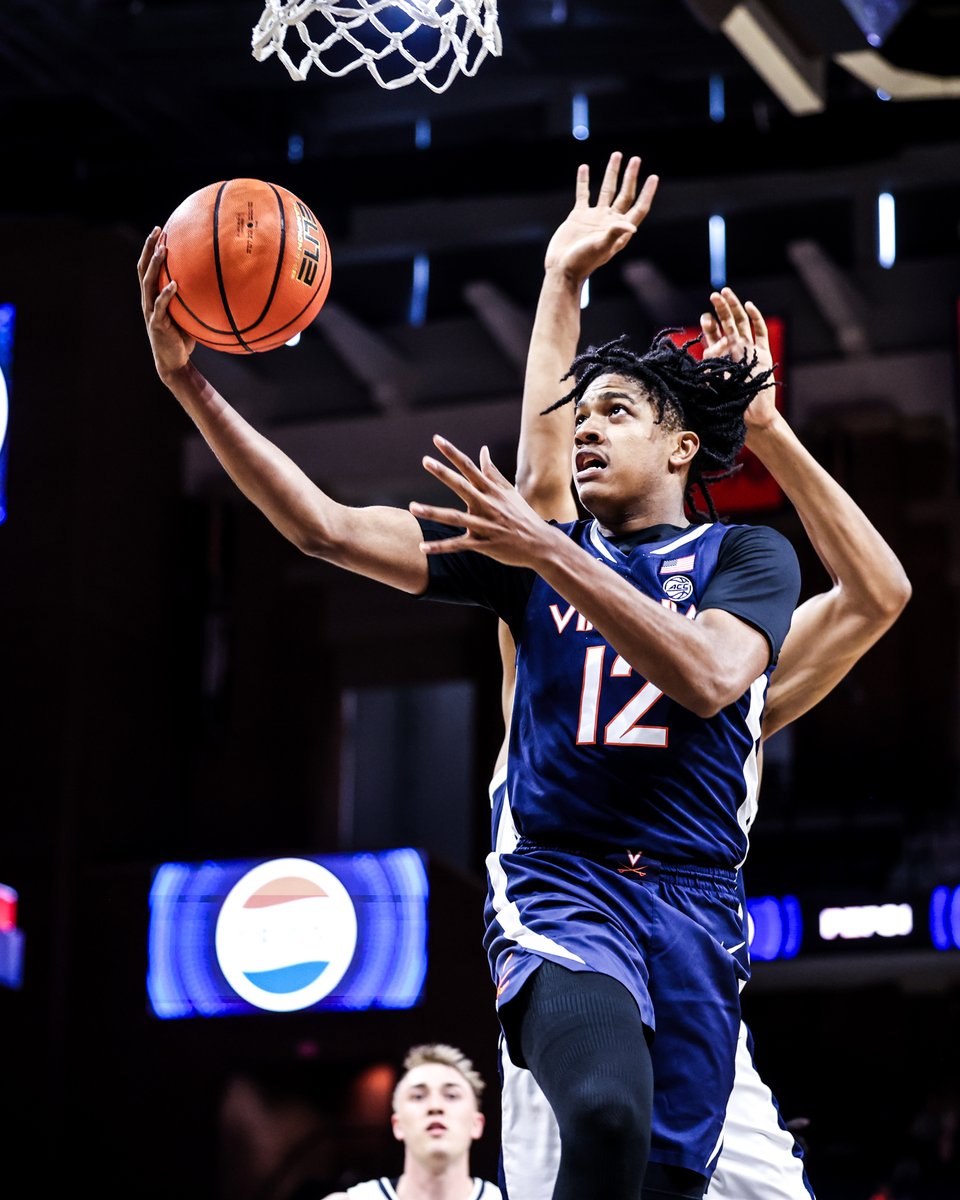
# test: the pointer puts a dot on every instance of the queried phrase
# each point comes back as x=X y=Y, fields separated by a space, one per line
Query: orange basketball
x=252 y=265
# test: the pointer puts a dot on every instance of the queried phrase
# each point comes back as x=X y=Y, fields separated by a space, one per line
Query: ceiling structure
x=123 y=107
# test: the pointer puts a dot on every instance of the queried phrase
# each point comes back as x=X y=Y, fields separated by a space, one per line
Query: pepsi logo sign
x=286 y=934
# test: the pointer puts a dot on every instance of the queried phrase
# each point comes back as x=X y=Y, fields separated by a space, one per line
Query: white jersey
x=377 y=1189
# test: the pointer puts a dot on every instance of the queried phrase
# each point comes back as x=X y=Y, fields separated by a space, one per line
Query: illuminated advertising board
x=342 y=932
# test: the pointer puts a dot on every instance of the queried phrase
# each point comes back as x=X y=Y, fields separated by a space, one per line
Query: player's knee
x=610 y=1119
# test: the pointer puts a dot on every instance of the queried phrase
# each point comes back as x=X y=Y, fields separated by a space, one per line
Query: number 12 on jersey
x=623 y=729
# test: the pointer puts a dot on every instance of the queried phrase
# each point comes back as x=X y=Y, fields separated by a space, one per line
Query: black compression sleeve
x=582 y=1037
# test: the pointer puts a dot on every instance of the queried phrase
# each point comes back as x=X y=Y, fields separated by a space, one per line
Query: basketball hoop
x=436 y=39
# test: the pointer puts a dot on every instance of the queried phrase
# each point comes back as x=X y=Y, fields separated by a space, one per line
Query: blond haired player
x=437 y=1117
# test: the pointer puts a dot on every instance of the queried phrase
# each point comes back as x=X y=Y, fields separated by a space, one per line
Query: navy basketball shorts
x=672 y=935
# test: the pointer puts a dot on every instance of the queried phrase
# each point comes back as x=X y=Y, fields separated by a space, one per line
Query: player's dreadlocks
x=707 y=396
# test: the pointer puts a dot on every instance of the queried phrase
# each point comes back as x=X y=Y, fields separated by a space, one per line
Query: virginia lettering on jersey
x=583 y=625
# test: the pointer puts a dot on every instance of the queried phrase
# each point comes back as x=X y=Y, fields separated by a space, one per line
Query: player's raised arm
x=381 y=543
x=588 y=237
x=833 y=629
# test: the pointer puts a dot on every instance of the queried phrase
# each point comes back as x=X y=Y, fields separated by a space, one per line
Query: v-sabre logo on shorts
x=286 y=934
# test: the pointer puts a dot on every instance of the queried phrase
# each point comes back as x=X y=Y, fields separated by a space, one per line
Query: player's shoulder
x=752 y=539
x=750 y=529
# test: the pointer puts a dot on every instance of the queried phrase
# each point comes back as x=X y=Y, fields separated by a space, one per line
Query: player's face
x=436 y=1114
x=622 y=457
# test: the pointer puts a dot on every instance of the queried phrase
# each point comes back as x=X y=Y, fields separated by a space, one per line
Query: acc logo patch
x=678 y=587
x=286 y=934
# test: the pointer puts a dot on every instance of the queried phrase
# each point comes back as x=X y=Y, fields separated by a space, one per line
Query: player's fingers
x=475 y=528
x=715 y=342
x=628 y=185
x=582 y=194
x=453 y=517
x=162 y=302
x=725 y=317
x=463 y=462
x=151 y=267
x=738 y=313
x=147 y=252
x=615 y=236
x=451 y=545
x=761 y=334
x=456 y=518
x=471 y=490
x=644 y=200
x=709 y=329
x=608 y=187
x=721 y=310
x=452 y=479
x=493 y=473
x=490 y=468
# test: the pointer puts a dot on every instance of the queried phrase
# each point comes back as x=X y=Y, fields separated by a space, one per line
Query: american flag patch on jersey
x=678 y=564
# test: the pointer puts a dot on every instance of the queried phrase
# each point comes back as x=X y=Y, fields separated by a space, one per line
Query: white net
x=398 y=41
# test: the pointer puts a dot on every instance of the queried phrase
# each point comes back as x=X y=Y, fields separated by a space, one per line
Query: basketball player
x=633 y=736
x=759 y=1158
x=436 y=1114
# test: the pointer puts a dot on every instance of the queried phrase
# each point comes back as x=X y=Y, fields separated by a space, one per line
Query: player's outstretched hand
x=736 y=329
x=171 y=346
x=591 y=234
x=498 y=522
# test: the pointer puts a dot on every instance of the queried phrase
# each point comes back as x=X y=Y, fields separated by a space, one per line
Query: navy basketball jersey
x=599 y=756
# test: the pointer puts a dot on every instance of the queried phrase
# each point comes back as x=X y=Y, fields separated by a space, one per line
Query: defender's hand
x=592 y=234
x=735 y=329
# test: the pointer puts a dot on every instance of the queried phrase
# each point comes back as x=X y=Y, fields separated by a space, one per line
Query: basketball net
x=452 y=36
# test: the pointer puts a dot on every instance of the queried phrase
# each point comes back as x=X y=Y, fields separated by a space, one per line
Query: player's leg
x=529 y=1138
x=760 y=1159
x=530 y=1145
x=583 y=1039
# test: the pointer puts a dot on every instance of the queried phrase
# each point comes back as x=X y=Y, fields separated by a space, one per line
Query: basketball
x=252 y=265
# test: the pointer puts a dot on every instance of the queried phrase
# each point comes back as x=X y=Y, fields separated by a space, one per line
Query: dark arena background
x=181 y=687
